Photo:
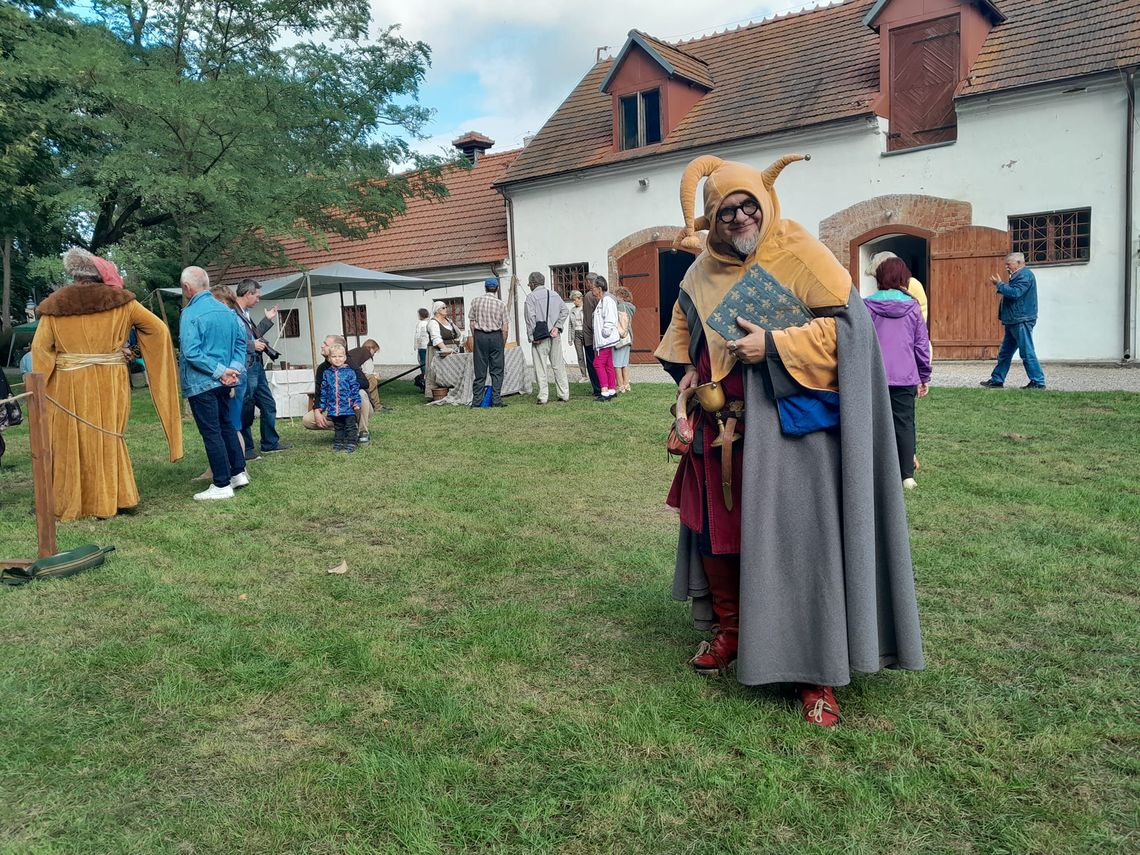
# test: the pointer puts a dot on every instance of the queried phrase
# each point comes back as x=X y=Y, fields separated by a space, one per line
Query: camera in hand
x=274 y=355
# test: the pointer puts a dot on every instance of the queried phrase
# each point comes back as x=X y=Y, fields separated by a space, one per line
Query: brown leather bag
x=677 y=445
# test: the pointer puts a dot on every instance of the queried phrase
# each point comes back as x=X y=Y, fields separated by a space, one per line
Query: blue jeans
x=258 y=393
x=211 y=414
x=1018 y=337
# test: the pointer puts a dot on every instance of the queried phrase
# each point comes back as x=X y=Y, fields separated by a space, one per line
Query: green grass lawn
x=503 y=670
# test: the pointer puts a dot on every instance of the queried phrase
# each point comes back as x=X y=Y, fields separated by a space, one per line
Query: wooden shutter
x=963 y=303
x=924 y=74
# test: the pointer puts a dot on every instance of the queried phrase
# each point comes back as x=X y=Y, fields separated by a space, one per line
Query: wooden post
x=312 y=327
x=40 y=435
x=162 y=307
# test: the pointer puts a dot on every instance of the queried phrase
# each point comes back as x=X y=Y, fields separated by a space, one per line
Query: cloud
x=527 y=55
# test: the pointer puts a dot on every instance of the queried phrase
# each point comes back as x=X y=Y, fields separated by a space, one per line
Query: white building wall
x=1016 y=153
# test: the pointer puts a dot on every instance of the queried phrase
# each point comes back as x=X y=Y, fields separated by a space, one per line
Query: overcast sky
x=501 y=67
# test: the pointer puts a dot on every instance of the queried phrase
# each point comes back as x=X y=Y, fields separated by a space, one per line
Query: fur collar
x=84 y=299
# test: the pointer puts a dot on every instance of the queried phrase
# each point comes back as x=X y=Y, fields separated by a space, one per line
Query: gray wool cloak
x=826 y=580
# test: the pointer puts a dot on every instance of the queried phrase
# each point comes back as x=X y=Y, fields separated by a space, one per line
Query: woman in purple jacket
x=905 y=345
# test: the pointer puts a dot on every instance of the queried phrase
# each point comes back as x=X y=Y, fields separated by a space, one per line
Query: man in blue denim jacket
x=211 y=360
x=1018 y=314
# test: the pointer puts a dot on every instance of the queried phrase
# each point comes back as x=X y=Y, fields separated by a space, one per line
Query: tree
x=31 y=220
x=196 y=128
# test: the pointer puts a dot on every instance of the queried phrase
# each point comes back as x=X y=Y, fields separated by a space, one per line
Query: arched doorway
x=952 y=265
x=652 y=271
x=913 y=249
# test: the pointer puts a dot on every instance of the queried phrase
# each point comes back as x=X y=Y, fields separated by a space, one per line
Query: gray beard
x=745 y=246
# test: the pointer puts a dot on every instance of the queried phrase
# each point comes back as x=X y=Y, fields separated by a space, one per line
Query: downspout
x=514 y=264
x=1129 y=178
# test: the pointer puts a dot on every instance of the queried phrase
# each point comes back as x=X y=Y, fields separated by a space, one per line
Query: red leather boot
x=723 y=574
x=819 y=705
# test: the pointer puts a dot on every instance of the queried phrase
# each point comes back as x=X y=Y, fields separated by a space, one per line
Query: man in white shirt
x=545 y=313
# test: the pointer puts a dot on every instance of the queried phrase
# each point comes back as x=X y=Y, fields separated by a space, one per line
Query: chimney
x=473 y=145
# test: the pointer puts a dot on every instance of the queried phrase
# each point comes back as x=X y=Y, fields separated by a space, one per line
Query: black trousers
x=902 y=409
x=344 y=430
x=489 y=353
x=590 y=353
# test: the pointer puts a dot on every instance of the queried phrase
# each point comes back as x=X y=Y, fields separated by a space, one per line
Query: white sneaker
x=213 y=492
x=240 y=480
x=909 y=484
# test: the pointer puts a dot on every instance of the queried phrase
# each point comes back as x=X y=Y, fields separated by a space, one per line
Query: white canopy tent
x=333 y=279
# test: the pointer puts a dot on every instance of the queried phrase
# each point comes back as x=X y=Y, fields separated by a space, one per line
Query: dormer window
x=653 y=86
x=640 y=116
x=925 y=54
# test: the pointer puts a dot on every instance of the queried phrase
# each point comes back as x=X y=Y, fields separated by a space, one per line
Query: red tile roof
x=684 y=64
x=1043 y=40
x=822 y=65
x=788 y=72
x=468 y=227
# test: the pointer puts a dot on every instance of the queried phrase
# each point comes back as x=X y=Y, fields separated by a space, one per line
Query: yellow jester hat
x=786 y=250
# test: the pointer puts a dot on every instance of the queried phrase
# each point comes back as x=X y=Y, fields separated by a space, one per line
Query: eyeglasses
x=728 y=213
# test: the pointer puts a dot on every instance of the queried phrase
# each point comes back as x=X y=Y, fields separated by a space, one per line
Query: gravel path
x=1060 y=376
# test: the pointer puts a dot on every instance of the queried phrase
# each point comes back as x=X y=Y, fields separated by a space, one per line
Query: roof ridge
x=780 y=16
x=670 y=45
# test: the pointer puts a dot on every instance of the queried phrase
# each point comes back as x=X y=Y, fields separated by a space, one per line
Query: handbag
x=56 y=566
x=677 y=445
x=13 y=414
x=542 y=328
x=625 y=330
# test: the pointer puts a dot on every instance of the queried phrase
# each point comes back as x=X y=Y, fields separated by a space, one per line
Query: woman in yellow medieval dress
x=78 y=348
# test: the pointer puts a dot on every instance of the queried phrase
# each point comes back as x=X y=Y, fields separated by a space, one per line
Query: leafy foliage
x=179 y=130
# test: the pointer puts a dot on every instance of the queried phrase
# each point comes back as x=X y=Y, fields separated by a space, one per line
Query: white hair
x=875 y=260
x=195 y=278
x=1016 y=256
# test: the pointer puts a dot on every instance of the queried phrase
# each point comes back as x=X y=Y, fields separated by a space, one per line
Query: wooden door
x=924 y=75
x=637 y=271
x=963 y=304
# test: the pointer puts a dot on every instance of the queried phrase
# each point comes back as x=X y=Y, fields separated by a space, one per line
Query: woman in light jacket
x=905 y=346
x=577 y=319
x=443 y=339
x=606 y=336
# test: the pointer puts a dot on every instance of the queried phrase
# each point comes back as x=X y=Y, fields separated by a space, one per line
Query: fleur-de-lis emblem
x=750 y=308
x=718 y=317
x=751 y=289
x=764 y=320
x=767 y=304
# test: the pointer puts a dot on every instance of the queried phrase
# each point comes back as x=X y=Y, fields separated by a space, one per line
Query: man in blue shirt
x=1018 y=314
x=211 y=360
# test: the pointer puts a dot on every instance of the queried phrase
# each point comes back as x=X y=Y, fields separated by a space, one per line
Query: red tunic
x=697 y=471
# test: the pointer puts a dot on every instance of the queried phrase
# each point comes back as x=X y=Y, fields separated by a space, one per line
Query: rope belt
x=60 y=406
x=75 y=361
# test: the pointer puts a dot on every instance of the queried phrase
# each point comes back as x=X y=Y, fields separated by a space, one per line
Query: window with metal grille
x=1052 y=237
x=290 y=321
x=565 y=278
x=639 y=116
x=457 y=315
x=355 y=320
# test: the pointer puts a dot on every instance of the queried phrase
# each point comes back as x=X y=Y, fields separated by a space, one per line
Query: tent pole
x=343 y=327
x=356 y=315
x=312 y=327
